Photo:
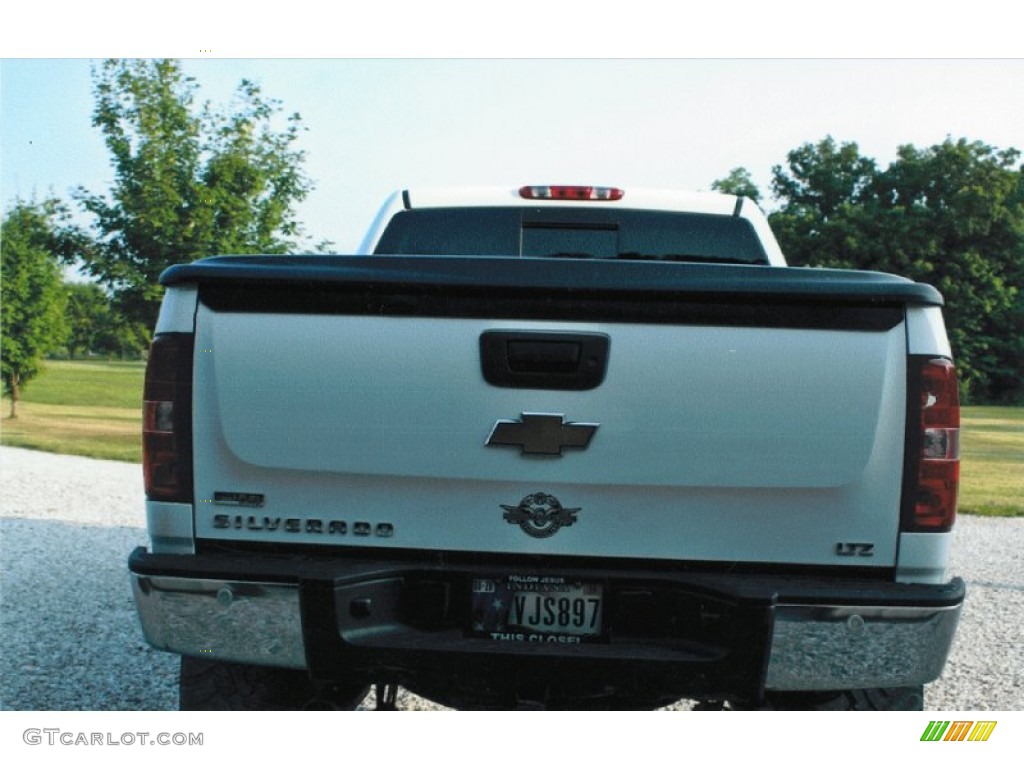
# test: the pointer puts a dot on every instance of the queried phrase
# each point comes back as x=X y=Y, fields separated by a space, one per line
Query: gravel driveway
x=71 y=641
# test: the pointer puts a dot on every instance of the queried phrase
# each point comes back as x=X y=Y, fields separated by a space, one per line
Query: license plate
x=537 y=609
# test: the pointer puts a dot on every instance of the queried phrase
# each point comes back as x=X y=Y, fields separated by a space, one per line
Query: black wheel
x=219 y=685
x=909 y=699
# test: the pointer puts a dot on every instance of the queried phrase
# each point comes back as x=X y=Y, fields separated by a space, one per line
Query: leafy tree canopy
x=951 y=215
x=96 y=327
x=189 y=181
x=738 y=182
x=32 y=321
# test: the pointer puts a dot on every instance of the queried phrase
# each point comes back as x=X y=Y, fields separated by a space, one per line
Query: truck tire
x=871 y=699
x=218 y=685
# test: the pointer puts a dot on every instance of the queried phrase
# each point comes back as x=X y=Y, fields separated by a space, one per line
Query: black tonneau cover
x=560 y=275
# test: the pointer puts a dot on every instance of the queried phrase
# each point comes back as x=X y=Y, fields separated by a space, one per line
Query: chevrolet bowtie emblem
x=542 y=434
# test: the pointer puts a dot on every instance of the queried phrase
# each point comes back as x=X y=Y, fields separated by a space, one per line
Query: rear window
x=573 y=233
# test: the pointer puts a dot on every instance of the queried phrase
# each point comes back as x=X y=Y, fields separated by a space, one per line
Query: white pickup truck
x=557 y=447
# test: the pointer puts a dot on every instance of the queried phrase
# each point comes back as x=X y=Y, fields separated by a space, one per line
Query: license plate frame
x=537 y=608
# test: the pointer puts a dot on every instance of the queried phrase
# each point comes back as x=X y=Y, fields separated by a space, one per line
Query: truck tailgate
x=725 y=429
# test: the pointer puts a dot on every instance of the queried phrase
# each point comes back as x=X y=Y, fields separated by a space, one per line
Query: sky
x=375 y=125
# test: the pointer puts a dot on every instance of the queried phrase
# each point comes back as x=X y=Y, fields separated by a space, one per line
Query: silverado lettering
x=299 y=525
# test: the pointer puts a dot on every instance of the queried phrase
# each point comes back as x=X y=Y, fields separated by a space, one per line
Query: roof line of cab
x=571 y=196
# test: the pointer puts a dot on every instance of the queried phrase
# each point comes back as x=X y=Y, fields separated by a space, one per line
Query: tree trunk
x=15 y=396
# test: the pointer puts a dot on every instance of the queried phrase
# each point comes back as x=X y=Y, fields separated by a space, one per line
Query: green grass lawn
x=992 y=461
x=89 y=383
x=93 y=408
x=85 y=408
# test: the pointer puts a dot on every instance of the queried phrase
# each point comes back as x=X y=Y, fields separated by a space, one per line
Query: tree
x=954 y=217
x=96 y=326
x=188 y=181
x=823 y=177
x=33 y=300
x=951 y=215
x=88 y=311
x=822 y=189
x=738 y=182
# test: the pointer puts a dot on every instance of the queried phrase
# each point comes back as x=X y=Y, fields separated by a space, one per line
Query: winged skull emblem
x=540 y=515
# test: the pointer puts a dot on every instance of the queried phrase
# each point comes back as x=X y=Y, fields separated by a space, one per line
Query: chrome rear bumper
x=817 y=647
x=811 y=647
x=244 y=622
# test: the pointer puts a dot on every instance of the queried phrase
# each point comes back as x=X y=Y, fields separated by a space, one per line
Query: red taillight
x=937 y=475
x=571 y=193
x=167 y=419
